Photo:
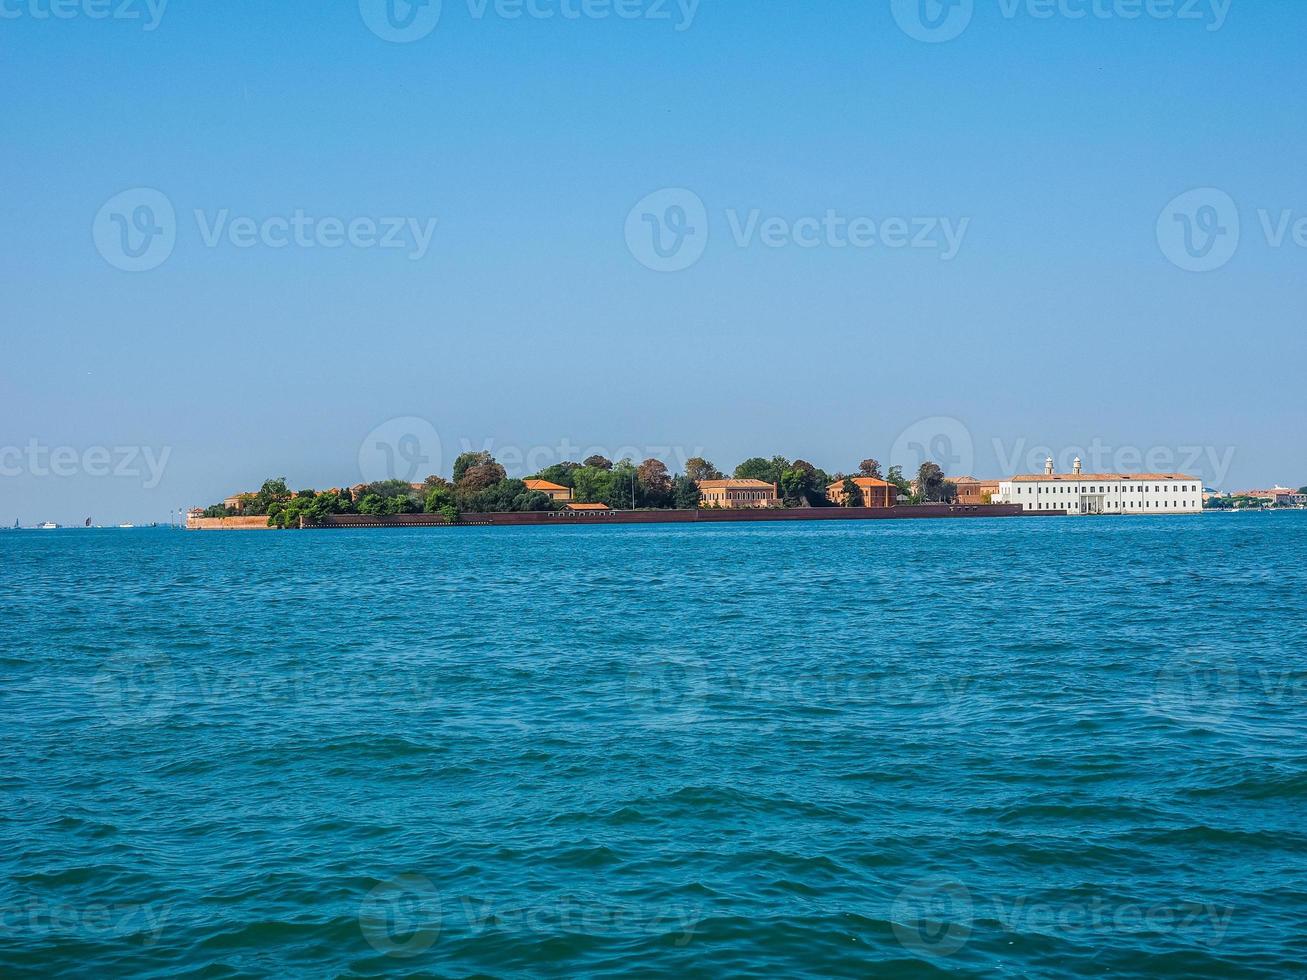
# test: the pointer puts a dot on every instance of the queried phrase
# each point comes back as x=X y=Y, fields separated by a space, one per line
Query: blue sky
x=530 y=321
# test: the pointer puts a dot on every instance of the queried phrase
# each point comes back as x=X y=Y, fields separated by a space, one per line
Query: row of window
x=1064 y=488
x=1132 y=504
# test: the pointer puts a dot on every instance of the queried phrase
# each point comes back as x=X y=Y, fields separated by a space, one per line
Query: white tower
x=1048 y=466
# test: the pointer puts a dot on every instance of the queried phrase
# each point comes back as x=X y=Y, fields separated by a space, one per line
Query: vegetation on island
x=480 y=485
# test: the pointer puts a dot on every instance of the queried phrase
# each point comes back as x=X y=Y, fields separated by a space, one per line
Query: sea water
x=1054 y=747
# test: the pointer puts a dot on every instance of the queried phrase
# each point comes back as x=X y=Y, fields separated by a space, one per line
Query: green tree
x=870 y=467
x=437 y=499
x=598 y=462
x=560 y=473
x=272 y=491
x=766 y=470
x=624 y=487
x=895 y=476
x=852 y=493
x=803 y=485
x=932 y=487
x=685 y=493
x=699 y=469
x=756 y=468
x=591 y=485
x=466 y=461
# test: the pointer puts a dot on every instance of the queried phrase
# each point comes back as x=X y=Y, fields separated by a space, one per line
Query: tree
x=624 y=487
x=437 y=499
x=870 y=467
x=756 y=468
x=852 y=493
x=655 y=484
x=468 y=460
x=932 y=487
x=699 y=469
x=685 y=493
x=482 y=476
x=560 y=473
x=598 y=462
x=803 y=485
x=654 y=476
x=591 y=485
x=272 y=491
x=766 y=470
x=532 y=500
x=895 y=476
x=1302 y=489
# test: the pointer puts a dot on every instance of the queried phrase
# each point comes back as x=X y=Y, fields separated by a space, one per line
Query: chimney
x=1076 y=467
x=1048 y=466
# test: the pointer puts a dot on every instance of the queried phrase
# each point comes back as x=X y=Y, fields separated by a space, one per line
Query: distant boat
x=126 y=525
x=88 y=522
x=48 y=526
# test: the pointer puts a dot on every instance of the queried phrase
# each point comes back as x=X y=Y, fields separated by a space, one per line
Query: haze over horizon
x=734 y=230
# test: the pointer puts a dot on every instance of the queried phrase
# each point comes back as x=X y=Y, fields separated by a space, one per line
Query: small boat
x=126 y=525
x=48 y=526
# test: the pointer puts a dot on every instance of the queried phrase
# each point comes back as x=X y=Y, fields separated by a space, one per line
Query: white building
x=1104 y=493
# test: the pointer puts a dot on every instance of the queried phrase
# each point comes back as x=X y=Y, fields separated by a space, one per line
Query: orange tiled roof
x=734 y=485
x=1098 y=477
x=542 y=485
x=588 y=507
x=865 y=482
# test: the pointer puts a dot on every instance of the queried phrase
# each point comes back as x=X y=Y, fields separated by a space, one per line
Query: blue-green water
x=1021 y=747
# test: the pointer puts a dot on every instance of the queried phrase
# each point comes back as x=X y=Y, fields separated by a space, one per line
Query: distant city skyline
x=716 y=227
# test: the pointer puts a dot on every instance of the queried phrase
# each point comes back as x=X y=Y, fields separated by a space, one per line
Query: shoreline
x=702 y=516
